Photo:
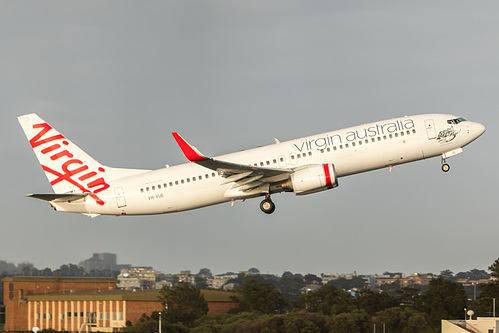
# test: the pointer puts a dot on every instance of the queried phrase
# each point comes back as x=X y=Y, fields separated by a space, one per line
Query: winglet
x=189 y=151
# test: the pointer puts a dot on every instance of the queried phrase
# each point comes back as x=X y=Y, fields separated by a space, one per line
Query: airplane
x=301 y=166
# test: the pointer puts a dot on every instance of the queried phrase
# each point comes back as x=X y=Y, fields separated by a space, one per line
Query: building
x=89 y=305
x=18 y=289
x=478 y=325
x=102 y=262
x=219 y=280
x=137 y=278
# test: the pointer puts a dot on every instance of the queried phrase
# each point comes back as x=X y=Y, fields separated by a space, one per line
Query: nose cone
x=478 y=129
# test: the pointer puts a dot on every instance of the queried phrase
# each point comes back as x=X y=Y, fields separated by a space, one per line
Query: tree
x=327 y=300
x=264 y=297
x=494 y=269
x=184 y=304
x=447 y=274
x=290 y=285
x=372 y=302
x=444 y=299
x=347 y=284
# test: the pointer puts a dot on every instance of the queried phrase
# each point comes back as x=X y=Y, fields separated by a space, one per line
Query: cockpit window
x=455 y=121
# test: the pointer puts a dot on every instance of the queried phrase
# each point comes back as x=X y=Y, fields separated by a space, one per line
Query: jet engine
x=311 y=178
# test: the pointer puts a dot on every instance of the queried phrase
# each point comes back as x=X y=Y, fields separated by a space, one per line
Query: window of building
x=21 y=293
x=2 y=314
x=69 y=314
x=11 y=291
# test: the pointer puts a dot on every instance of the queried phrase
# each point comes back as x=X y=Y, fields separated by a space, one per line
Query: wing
x=248 y=180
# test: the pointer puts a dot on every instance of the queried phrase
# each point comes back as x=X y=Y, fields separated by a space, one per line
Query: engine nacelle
x=312 y=178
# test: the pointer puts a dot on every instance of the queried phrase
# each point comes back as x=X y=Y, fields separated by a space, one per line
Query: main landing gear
x=267 y=206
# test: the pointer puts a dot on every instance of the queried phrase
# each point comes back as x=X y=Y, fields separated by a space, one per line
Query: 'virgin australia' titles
x=354 y=135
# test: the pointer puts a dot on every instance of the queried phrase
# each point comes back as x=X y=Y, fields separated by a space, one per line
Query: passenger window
x=164 y=185
x=275 y=161
x=396 y=135
x=159 y=187
x=193 y=179
x=391 y=136
x=182 y=181
x=171 y=184
x=379 y=138
x=334 y=148
x=373 y=140
x=328 y=149
x=142 y=190
x=408 y=132
x=401 y=133
x=353 y=144
x=299 y=156
x=261 y=163
x=213 y=174
x=341 y=146
x=360 y=143
x=346 y=146
x=153 y=188
x=200 y=177
x=282 y=159
x=147 y=189
x=309 y=153
x=206 y=176
x=176 y=182
x=384 y=137
x=367 y=141
x=188 y=180
x=413 y=131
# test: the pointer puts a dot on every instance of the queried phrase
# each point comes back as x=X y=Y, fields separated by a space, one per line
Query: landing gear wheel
x=267 y=206
x=445 y=167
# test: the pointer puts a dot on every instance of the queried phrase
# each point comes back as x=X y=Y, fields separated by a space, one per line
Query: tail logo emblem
x=73 y=170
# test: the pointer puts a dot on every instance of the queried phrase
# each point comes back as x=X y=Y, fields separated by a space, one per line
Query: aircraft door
x=430 y=129
x=120 y=197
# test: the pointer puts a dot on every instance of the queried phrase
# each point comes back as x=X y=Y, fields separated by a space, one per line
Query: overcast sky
x=117 y=77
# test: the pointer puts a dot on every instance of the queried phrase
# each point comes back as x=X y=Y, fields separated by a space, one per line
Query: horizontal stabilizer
x=52 y=197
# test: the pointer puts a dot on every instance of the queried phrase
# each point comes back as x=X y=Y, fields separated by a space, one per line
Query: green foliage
x=184 y=304
x=494 y=268
x=327 y=300
x=259 y=296
x=444 y=299
x=401 y=320
x=350 y=322
x=348 y=284
x=290 y=285
x=372 y=302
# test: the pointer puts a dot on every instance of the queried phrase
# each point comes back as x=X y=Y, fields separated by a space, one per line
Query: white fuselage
x=351 y=150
